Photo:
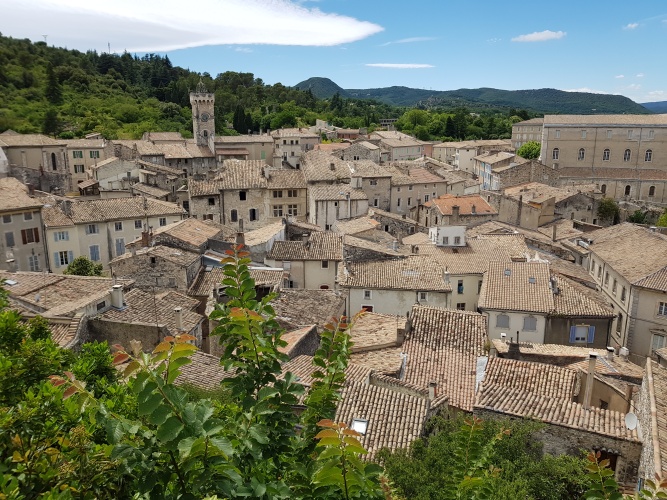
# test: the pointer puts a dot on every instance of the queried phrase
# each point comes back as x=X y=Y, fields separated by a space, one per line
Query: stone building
x=460 y=154
x=82 y=155
x=362 y=150
x=530 y=171
x=327 y=204
x=291 y=143
x=450 y=210
x=488 y=167
x=527 y=131
x=397 y=146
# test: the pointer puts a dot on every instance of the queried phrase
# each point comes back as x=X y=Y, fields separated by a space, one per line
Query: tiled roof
x=155 y=167
x=368 y=145
x=655 y=281
x=368 y=169
x=14 y=196
x=446 y=328
x=147 y=308
x=382 y=247
x=578 y=300
x=532 y=121
x=536 y=191
x=385 y=360
x=150 y=190
x=492 y=158
x=374 y=331
x=411 y=273
x=507 y=286
x=465 y=204
x=144 y=148
x=335 y=192
x=86 y=143
x=594 y=120
x=334 y=146
x=28 y=140
x=194 y=232
x=317 y=166
x=207 y=280
x=286 y=179
x=296 y=307
x=477 y=143
x=292 y=132
x=104 y=210
x=205 y=372
x=164 y=136
x=233 y=139
x=657 y=387
x=623 y=247
x=423 y=176
x=294 y=338
x=403 y=142
x=176 y=255
x=323 y=245
x=564 y=229
x=356 y=225
x=302 y=366
x=372 y=212
x=395 y=419
x=266 y=276
x=203 y=188
x=534 y=378
x=263 y=234
x=242 y=174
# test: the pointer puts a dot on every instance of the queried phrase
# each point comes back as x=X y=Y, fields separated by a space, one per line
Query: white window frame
x=662 y=309
x=162 y=221
x=657 y=342
x=368 y=294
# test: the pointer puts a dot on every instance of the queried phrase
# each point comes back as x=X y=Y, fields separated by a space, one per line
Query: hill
x=656 y=107
x=538 y=101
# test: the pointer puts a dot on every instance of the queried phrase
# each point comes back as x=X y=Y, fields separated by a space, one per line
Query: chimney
x=445 y=276
x=117 y=296
x=394 y=245
x=590 y=376
x=240 y=225
x=31 y=189
x=432 y=390
x=553 y=232
x=455 y=215
x=473 y=209
x=67 y=207
x=267 y=173
x=178 y=318
x=332 y=166
x=610 y=353
x=133 y=249
x=628 y=398
x=145 y=238
x=623 y=352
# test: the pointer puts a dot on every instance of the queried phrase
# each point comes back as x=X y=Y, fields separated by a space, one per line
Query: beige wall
x=418 y=192
x=20 y=256
x=398 y=302
x=325 y=212
x=647 y=321
x=516 y=323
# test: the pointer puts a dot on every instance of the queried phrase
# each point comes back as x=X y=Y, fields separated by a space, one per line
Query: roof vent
x=332 y=166
x=508 y=272
x=532 y=280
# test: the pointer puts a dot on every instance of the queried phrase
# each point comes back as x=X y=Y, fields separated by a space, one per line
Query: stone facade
x=533 y=171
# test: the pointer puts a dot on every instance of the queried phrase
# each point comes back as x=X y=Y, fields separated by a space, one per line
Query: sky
x=614 y=47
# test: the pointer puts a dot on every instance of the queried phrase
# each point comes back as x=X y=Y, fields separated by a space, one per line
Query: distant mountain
x=540 y=100
x=656 y=107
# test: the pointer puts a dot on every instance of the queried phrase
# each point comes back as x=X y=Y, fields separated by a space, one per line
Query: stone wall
x=643 y=410
x=532 y=171
x=43 y=180
x=115 y=332
x=398 y=228
x=148 y=275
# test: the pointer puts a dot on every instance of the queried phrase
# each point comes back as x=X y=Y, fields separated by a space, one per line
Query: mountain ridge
x=551 y=101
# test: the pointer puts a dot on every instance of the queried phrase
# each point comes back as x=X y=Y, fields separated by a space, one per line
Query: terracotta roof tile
x=319 y=246
x=447 y=328
x=517 y=286
x=578 y=300
x=371 y=331
x=465 y=204
x=593 y=120
x=14 y=196
x=296 y=307
x=336 y=192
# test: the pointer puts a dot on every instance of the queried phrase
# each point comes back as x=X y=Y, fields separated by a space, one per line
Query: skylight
x=360 y=425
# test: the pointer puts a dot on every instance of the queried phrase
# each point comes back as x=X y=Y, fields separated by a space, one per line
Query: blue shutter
x=56 y=259
x=591 y=334
x=55 y=236
x=66 y=235
x=70 y=256
x=573 y=334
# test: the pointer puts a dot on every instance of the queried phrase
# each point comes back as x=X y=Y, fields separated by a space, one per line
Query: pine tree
x=53 y=92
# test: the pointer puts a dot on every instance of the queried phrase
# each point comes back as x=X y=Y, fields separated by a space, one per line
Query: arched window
x=554 y=154
x=627 y=190
x=605 y=155
x=651 y=191
x=582 y=154
x=626 y=155
x=205 y=133
x=648 y=156
x=54 y=164
x=603 y=188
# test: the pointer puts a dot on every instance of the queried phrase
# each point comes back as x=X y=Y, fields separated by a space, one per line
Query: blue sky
x=612 y=47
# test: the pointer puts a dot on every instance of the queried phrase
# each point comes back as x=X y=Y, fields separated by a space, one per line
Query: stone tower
x=203 y=122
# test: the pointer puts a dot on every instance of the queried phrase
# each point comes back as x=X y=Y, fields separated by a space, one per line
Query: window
x=409 y=201
x=619 y=322
x=207 y=217
x=461 y=306
x=138 y=224
x=648 y=156
x=234 y=215
x=557 y=134
x=61 y=236
x=662 y=308
x=502 y=321
x=457 y=240
x=629 y=134
x=277 y=210
x=459 y=287
x=555 y=153
x=423 y=296
x=77 y=154
x=626 y=155
x=426 y=198
x=94 y=252
x=153 y=260
x=172 y=282
x=9 y=239
x=657 y=342
x=211 y=202
x=627 y=190
x=120 y=246
x=277 y=194
x=291 y=193
x=292 y=210
x=530 y=324
x=606 y=154
x=373 y=182
x=27 y=216
x=355 y=157
x=92 y=229
x=63 y=258
x=409 y=188
x=33 y=263
x=582 y=154
x=398 y=202
x=603 y=188
x=325 y=264
x=368 y=294
x=445 y=240
x=118 y=226
x=367 y=308
x=54 y=163
x=583 y=134
x=614 y=286
x=606 y=278
x=163 y=221
x=101 y=305
x=651 y=191
x=608 y=134
x=327 y=227
x=623 y=294
x=30 y=235
x=94 y=154
x=79 y=169
x=253 y=214
x=243 y=195
x=6 y=219
x=376 y=202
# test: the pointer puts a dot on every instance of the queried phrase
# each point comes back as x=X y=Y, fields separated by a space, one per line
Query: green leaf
x=169 y=430
x=258 y=434
x=185 y=446
x=159 y=415
x=266 y=392
x=149 y=406
x=223 y=444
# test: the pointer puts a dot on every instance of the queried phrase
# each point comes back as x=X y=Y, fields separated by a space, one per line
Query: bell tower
x=203 y=121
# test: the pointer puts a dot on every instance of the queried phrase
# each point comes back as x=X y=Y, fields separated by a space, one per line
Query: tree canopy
x=608 y=210
x=529 y=150
x=83 y=266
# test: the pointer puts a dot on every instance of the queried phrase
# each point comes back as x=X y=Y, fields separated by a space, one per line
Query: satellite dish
x=631 y=421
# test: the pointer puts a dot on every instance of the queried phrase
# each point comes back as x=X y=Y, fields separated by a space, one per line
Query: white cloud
x=164 y=25
x=619 y=76
x=494 y=40
x=540 y=36
x=399 y=65
x=634 y=86
x=410 y=40
x=658 y=94
x=631 y=26
x=640 y=75
x=587 y=90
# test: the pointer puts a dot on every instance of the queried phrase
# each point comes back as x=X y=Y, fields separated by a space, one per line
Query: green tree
x=638 y=217
x=529 y=150
x=83 y=266
x=53 y=91
x=51 y=123
x=608 y=210
x=662 y=220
